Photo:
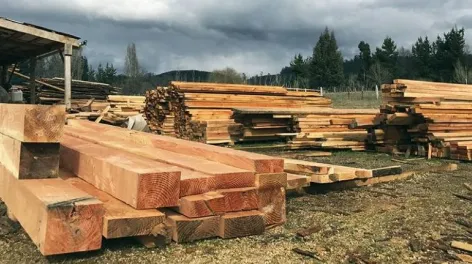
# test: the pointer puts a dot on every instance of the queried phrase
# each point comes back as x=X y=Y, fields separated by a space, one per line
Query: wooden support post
x=32 y=84
x=3 y=75
x=67 y=75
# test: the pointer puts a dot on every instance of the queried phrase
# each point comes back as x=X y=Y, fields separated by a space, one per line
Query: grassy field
x=355 y=100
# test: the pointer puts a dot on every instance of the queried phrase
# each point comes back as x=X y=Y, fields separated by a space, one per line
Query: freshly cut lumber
x=57 y=217
x=240 y=159
x=29 y=160
x=241 y=224
x=226 y=177
x=297 y=181
x=272 y=204
x=227 y=88
x=219 y=202
x=186 y=229
x=271 y=180
x=32 y=123
x=141 y=183
x=120 y=219
x=462 y=246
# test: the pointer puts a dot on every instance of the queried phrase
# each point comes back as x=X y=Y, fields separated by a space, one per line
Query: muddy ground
x=409 y=221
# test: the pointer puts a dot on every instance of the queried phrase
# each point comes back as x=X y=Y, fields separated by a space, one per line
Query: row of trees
x=447 y=59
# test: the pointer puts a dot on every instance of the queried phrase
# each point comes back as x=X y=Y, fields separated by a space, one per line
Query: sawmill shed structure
x=21 y=42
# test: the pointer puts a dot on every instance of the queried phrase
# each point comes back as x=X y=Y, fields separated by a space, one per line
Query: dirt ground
x=409 y=221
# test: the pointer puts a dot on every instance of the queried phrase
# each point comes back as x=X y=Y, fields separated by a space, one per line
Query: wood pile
x=51 y=90
x=425 y=118
x=203 y=111
x=322 y=128
x=150 y=187
x=114 y=111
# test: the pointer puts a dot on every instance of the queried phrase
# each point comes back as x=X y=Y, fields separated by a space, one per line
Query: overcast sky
x=249 y=35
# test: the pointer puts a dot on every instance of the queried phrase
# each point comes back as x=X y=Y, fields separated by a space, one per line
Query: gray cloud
x=251 y=36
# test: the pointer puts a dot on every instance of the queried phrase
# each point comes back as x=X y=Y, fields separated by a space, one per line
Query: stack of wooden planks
x=114 y=111
x=70 y=185
x=323 y=128
x=321 y=173
x=51 y=90
x=425 y=118
x=203 y=111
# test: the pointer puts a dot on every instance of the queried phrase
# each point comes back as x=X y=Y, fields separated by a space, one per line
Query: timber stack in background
x=425 y=118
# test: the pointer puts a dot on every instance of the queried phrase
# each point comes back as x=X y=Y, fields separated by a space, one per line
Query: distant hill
x=163 y=79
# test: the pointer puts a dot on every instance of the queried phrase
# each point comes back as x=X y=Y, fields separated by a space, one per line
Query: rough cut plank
x=201 y=87
x=58 y=217
x=29 y=160
x=120 y=219
x=297 y=181
x=240 y=159
x=462 y=246
x=271 y=180
x=141 y=183
x=219 y=202
x=241 y=224
x=226 y=177
x=186 y=229
x=272 y=204
x=32 y=123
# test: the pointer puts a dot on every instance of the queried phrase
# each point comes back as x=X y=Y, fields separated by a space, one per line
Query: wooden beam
x=241 y=224
x=31 y=30
x=37 y=81
x=32 y=123
x=67 y=75
x=139 y=182
x=185 y=229
x=29 y=160
x=56 y=216
x=120 y=219
x=240 y=159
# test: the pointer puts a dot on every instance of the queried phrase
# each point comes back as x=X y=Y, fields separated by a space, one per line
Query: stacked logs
x=203 y=111
x=425 y=118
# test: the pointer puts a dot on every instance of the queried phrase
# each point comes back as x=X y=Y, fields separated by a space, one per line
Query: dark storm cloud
x=251 y=36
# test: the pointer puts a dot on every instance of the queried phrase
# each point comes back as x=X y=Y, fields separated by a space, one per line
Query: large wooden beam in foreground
x=241 y=224
x=226 y=177
x=186 y=229
x=141 y=183
x=29 y=160
x=32 y=123
x=240 y=159
x=120 y=219
x=58 y=217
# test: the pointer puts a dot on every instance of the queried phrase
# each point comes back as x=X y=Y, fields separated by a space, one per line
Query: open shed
x=21 y=41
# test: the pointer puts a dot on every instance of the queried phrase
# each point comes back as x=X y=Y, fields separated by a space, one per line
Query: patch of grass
x=355 y=100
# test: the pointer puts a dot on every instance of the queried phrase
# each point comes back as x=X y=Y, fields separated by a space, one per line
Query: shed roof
x=20 y=41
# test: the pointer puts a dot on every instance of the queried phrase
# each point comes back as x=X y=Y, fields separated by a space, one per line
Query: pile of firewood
x=203 y=111
x=425 y=118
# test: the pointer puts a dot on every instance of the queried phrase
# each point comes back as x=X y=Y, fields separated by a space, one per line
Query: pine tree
x=326 y=67
x=448 y=51
x=422 y=53
x=132 y=71
x=365 y=57
x=387 y=56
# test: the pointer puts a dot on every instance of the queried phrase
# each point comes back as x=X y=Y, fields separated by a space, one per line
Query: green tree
x=422 y=55
x=365 y=57
x=447 y=51
x=387 y=56
x=226 y=75
x=133 y=71
x=326 y=67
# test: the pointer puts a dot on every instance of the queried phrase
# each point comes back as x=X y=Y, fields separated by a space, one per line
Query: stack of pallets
x=117 y=183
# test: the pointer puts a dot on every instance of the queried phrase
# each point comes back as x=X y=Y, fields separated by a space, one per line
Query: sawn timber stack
x=203 y=111
x=425 y=118
x=319 y=128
